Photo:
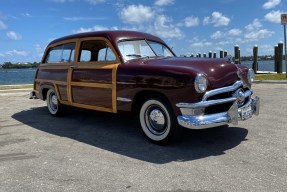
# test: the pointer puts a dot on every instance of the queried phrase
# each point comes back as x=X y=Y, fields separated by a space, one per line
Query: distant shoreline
x=17 y=67
x=9 y=65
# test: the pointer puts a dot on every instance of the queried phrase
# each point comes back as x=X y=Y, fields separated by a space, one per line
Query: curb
x=15 y=88
x=270 y=82
x=16 y=85
x=28 y=90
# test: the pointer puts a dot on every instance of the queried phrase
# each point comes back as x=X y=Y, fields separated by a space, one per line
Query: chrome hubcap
x=53 y=102
x=156 y=120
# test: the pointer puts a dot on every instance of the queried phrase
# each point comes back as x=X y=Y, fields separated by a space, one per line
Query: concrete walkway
x=92 y=151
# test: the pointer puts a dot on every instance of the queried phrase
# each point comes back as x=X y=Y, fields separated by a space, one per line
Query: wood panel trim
x=98 y=108
x=57 y=91
x=69 y=89
x=94 y=85
x=114 y=89
x=54 y=82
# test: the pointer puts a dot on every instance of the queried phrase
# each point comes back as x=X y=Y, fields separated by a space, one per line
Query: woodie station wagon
x=127 y=71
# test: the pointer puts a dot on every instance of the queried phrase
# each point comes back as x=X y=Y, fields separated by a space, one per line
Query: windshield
x=142 y=48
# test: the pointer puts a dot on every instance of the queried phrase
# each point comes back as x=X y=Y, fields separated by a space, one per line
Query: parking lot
x=93 y=151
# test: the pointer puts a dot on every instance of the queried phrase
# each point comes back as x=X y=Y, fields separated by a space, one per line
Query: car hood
x=218 y=71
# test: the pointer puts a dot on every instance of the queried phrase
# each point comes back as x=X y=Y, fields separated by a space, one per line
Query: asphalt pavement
x=93 y=151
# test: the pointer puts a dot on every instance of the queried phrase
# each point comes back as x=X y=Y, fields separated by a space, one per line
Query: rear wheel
x=157 y=121
x=54 y=106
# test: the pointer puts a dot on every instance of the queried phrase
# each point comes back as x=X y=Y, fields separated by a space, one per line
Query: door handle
x=73 y=66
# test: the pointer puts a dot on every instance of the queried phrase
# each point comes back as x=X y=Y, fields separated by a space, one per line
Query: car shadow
x=122 y=135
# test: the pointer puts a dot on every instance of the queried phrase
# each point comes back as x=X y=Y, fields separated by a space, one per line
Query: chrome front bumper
x=232 y=116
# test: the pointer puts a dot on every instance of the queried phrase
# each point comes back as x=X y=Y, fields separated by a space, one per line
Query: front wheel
x=157 y=121
x=54 y=106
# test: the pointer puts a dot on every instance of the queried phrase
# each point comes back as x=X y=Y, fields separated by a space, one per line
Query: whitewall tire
x=53 y=104
x=157 y=121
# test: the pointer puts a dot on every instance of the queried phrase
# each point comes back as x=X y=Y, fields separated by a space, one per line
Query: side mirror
x=230 y=59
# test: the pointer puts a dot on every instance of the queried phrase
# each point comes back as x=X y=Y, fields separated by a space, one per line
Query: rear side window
x=61 y=53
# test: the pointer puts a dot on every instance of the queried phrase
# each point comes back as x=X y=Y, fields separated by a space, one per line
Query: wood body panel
x=90 y=85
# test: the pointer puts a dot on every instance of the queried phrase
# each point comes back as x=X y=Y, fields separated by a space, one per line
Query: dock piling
x=255 y=59
x=280 y=57
x=236 y=54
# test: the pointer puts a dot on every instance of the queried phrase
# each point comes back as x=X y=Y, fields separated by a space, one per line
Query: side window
x=86 y=56
x=61 y=53
x=106 y=54
x=96 y=51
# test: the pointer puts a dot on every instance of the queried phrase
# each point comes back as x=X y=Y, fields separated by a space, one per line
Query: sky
x=187 y=26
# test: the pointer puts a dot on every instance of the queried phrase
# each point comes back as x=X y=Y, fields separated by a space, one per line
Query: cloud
x=15 y=56
x=201 y=44
x=26 y=14
x=94 y=28
x=273 y=16
x=94 y=2
x=39 y=51
x=146 y=19
x=271 y=4
x=163 y=2
x=255 y=32
x=231 y=33
x=234 y=32
x=2 y=25
x=39 y=48
x=13 y=35
x=254 y=25
x=14 y=53
x=62 y=1
x=191 y=21
x=217 y=19
x=217 y=35
x=206 y=20
x=137 y=14
x=258 y=34
x=83 y=18
x=224 y=43
x=164 y=28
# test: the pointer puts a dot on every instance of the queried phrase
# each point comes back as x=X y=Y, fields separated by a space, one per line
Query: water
x=264 y=65
x=16 y=76
x=26 y=76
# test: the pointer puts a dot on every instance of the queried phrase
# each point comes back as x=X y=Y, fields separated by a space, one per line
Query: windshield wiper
x=134 y=55
x=137 y=55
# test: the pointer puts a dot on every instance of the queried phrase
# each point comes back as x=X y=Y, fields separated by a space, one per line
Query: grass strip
x=263 y=77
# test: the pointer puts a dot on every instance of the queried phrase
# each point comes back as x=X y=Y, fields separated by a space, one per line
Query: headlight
x=250 y=76
x=200 y=83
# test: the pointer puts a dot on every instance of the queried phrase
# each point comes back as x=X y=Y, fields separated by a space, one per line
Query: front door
x=92 y=79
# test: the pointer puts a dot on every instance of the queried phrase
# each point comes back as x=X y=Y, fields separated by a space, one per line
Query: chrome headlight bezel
x=200 y=83
x=250 y=76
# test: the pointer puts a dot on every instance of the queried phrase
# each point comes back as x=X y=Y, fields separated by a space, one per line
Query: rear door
x=53 y=71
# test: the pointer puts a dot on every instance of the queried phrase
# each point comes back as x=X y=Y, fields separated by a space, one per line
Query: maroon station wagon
x=127 y=71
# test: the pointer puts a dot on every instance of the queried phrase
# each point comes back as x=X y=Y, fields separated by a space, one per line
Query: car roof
x=113 y=36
